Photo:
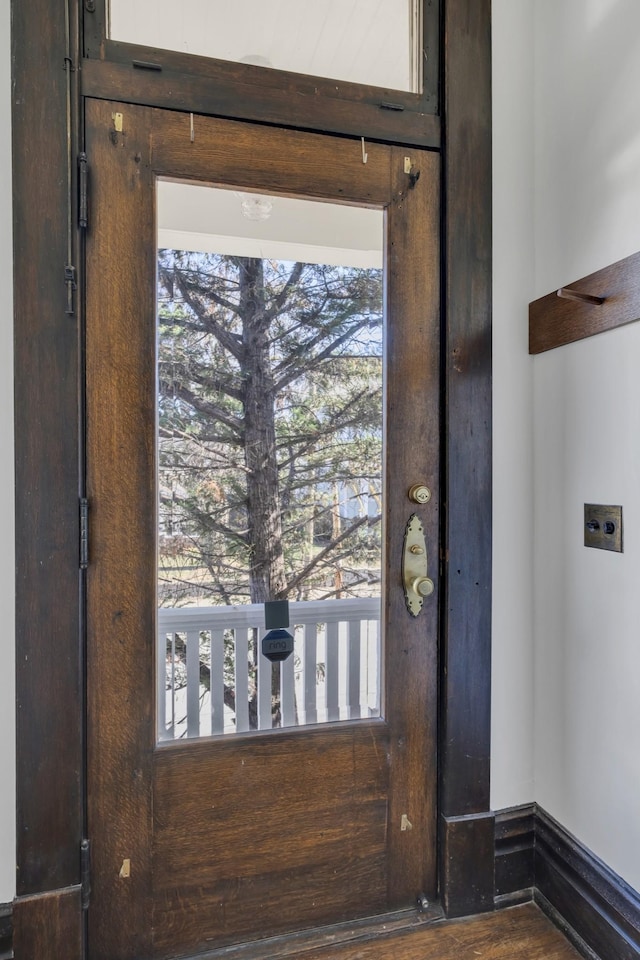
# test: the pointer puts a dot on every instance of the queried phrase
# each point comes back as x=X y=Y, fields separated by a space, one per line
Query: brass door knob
x=419 y=493
x=423 y=586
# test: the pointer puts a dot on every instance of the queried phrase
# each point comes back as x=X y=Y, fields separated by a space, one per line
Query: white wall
x=7 y=569
x=513 y=275
x=587 y=430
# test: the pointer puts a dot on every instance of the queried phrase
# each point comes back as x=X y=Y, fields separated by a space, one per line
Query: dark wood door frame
x=48 y=362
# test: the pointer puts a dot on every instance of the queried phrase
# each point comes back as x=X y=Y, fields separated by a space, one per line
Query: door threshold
x=314 y=938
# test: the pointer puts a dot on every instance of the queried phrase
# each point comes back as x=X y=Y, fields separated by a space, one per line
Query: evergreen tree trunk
x=267 y=579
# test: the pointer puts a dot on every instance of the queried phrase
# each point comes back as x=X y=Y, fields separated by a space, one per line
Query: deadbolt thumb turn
x=417 y=585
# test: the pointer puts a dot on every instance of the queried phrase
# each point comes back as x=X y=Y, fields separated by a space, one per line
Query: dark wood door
x=217 y=840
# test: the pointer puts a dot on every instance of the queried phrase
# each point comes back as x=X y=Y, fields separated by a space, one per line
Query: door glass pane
x=378 y=43
x=270 y=336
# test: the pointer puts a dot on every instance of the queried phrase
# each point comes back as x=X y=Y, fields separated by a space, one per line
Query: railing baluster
x=172 y=688
x=161 y=684
x=264 y=691
x=287 y=692
x=216 y=681
x=241 y=656
x=375 y=668
x=353 y=670
x=310 y=672
x=193 y=683
x=332 y=671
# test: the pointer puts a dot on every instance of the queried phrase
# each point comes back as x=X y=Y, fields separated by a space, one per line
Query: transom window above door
x=359 y=41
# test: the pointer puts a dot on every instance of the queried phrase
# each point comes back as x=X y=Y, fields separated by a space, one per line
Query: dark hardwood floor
x=517 y=933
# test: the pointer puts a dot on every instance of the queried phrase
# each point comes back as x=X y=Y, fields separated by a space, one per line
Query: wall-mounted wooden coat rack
x=604 y=300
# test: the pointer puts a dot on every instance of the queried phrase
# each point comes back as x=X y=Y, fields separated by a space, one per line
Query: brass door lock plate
x=603 y=527
x=417 y=585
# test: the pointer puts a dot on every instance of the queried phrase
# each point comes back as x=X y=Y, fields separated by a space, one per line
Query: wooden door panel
x=412 y=437
x=323 y=859
x=120 y=590
x=208 y=842
x=321 y=167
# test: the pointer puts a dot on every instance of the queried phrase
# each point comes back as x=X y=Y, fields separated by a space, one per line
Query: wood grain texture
x=233 y=152
x=121 y=592
x=465 y=686
x=257 y=834
x=519 y=933
x=273 y=832
x=466 y=656
x=236 y=90
x=554 y=321
x=48 y=647
x=48 y=926
x=294 y=105
x=467 y=863
x=412 y=456
x=335 y=935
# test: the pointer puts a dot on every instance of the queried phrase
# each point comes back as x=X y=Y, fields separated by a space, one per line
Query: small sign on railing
x=277 y=645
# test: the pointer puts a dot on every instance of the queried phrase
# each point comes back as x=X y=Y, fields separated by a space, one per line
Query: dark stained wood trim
x=594 y=902
x=555 y=320
x=336 y=169
x=465 y=667
x=467 y=864
x=6 y=931
x=536 y=857
x=335 y=937
x=519 y=934
x=46 y=926
x=48 y=657
x=412 y=356
x=237 y=90
x=294 y=106
x=514 y=837
x=566 y=929
x=122 y=497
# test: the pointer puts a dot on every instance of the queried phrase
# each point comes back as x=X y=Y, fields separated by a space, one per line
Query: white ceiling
x=209 y=219
x=367 y=41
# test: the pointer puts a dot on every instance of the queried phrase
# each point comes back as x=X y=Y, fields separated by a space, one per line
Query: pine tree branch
x=299 y=368
x=228 y=340
x=304 y=573
x=179 y=277
x=207 y=409
x=281 y=298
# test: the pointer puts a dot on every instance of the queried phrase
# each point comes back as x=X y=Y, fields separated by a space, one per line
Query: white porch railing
x=212 y=678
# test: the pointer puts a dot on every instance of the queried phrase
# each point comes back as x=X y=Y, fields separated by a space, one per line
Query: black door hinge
x=85 y=873
x=84 y=533
x=83 y=177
